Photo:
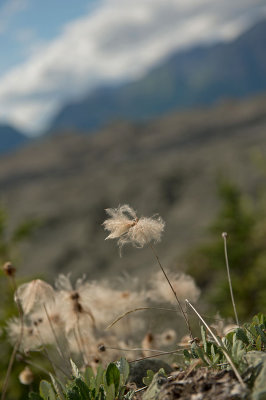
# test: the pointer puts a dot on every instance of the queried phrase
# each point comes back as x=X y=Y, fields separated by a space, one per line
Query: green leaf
x=90 y=378
x=101 y=395
x=203 y=335
x=187 y=354
x=99 y=379
x=241 y=335
x=73 y=393
x=124 y=369
x=58 y=386
x=113 y=376
x=256 y=319
x=110 y=392
x=75 y=370
x=83 y=389
x=258 y=343
x=46 y=391
x=203 y=356
x=193 y=349
x=216 y=358
x=261 y=333
x=213 y=353
x=147 y=380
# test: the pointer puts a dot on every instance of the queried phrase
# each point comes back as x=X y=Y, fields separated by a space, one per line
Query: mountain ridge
x=196 y=77
x=11 y=139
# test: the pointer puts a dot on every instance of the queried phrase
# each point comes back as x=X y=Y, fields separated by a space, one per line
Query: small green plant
x=105 y=384
x=251 y=336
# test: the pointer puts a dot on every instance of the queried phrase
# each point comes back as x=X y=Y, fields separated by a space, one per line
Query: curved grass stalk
x=173 y=290
x=137 y=309
x=157 y=355
x=220 y=344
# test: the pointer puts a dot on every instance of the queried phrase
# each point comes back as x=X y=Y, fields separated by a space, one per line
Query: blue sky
x=56 y=51
x=27 y=24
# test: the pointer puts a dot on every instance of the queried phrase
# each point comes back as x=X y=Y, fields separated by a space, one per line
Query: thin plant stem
x=154 y=308
x=18 y=342
x=220 y=344
x=9 y=369
x=137 y=309
x=58 y=347
x=79 y=346
x=224 y=235
x=137 y=349
x=173 y=290
x=81 y=341
x=46 y=353
x=156 y=355
x=33 y=364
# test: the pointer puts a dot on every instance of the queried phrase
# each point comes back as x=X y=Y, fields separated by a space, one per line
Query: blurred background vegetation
x=244 y=219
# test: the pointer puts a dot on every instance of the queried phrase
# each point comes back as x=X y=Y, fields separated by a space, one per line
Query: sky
x=53 y=52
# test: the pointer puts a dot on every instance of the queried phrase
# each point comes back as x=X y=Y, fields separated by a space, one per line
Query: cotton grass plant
x=67 y=322
x=125 y=226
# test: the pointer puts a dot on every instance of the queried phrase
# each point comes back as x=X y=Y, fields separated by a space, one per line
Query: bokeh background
x=160 y=104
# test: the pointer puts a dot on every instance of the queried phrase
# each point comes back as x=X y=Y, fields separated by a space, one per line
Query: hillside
x=196 y=77
x=168 y=166
x=10 y=139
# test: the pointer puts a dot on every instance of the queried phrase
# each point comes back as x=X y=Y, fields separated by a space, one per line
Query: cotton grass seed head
x=184 y=286
x=34 y=294
x=125 y=226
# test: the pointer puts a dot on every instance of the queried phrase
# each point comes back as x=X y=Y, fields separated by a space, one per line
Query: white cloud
x=119 y=40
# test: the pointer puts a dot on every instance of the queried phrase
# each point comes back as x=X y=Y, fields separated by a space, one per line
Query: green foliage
x=46 y=391
x=154 y=388
x=242 y=220
x=147 y=380
x=106 y=384
x=251 y=336
x=9 y=243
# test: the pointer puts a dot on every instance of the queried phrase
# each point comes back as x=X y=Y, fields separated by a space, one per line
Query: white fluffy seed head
x=184 y=286
x=34 y=294
x=124 y=225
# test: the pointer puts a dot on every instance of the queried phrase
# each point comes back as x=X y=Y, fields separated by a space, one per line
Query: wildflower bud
x=9 y=269
x=26 y=376
x=224 y=235
x=101 y=347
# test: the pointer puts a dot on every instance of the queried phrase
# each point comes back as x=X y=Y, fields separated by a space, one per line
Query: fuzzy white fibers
x=184 y=286
x=34 y=294
x=125 y=226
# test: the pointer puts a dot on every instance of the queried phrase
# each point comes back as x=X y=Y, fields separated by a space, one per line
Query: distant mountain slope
x=10 y=139
x=196 y=77
x=168 y=166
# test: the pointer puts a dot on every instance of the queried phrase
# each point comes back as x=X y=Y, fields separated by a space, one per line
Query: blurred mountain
x=167 y=166
x=10 y=139
x=200 y=76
